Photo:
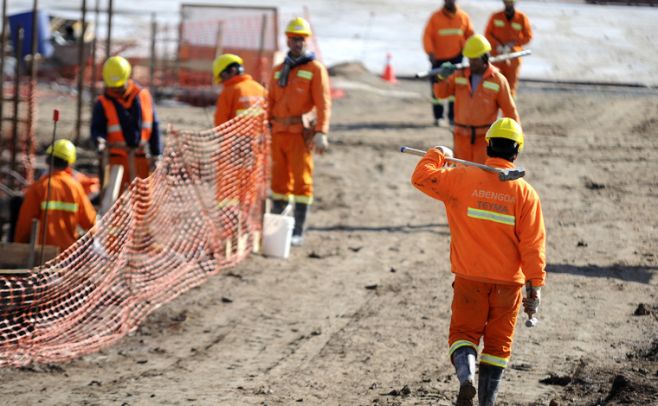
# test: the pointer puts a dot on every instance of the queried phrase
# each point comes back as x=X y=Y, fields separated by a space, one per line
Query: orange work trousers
x=292 y=167
x=488 y=311
x=510 y=69
x=141 y=168
x=465 y=149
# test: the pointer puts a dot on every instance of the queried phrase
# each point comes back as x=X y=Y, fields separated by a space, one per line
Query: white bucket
x=277 y=235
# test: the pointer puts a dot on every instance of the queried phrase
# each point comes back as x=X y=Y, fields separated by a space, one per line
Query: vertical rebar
x=20 y=34
x=3 y=39
x=94 y=78
x=30 y=124
x=108 y=40
x=152 y=62
x=81 y=72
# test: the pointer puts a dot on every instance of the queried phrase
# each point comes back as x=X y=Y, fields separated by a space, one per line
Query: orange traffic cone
x=389 y=74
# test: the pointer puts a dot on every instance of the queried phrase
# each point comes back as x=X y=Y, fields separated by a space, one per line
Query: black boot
x=301 y=210
x=278 y=206
x=488 y=383
x=464 y=360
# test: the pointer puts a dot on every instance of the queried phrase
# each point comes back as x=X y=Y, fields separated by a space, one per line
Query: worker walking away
x=507 y=31
x=497 y=245
x=125 y=120
x=67 y=204
x=299 y=86
x=480 y=91
x=445 y=33
x=237 y=175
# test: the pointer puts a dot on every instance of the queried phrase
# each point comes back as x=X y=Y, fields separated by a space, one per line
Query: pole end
x=55 y=115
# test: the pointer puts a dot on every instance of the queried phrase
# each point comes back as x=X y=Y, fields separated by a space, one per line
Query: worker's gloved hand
x=447 y=152
x=446 y=69
x=532 y=300
x=320 y=142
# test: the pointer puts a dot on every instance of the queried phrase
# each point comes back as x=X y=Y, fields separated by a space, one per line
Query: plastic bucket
x=277 y=235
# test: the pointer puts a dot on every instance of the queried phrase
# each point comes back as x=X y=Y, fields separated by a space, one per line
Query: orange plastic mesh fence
x=200 y=211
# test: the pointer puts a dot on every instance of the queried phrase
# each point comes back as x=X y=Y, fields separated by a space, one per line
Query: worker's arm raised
x=430 y=174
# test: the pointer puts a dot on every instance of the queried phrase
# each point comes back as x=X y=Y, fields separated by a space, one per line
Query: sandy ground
x=359 y=315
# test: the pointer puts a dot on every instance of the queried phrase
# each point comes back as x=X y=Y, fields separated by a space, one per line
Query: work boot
x=278 y=206
x=488 y=382
x=301 y=210
x=464 y=360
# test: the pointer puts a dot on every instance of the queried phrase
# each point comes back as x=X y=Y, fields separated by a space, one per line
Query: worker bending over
x=480 y=91
x=508 y=30
x=497 y=244
x=67 y=203
x=125 y=118
x=300 y=85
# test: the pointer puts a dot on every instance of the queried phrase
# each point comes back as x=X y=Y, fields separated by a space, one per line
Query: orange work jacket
x=240 y=93
x=501 y=31
x=68 y=208
x=479 y=109
x=114 y=133
x=445 y=33
x=497 y=232
x=307 y=88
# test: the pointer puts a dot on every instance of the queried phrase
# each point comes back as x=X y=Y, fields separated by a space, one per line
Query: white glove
x=447 y=152
x=320 y=142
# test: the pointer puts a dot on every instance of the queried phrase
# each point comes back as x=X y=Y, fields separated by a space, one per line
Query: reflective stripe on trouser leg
x=504 y=304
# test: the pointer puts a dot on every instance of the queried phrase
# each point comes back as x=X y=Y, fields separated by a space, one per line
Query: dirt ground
x=359 y=315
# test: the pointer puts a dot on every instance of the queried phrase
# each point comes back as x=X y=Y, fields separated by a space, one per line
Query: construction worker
x=480 y=91
x=237 y=169
x=65 y=200
x=497 y=245
x=507 y=31
x=443 y=40
x=125 y=119
x=299 y=86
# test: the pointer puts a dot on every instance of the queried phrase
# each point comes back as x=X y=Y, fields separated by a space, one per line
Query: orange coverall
x=445 y=33
x=236 y=181
x=292 y=161
x=68 y=208
x=497 y=243
x=475 y=111
x=501 y=31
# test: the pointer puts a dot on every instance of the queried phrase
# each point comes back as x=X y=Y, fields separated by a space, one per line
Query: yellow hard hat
x=506 y=128
x=476 y=46
x=116 y=71
x=63 y=149
x=222 y=62
x=299 y=26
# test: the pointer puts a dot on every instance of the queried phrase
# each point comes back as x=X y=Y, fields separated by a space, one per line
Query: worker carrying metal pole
x=507 y=31
x=480 y=92
x=125 y=119
x=497 y=245
x=299 y=88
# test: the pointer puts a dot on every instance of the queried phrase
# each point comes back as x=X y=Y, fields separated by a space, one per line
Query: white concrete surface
x=573 y=40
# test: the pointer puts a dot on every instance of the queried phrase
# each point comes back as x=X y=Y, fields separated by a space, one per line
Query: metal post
x=108 y=40
x=20 y=34
x=153 y=59
x=81 y=72
x=94 y=78
x=3 y=39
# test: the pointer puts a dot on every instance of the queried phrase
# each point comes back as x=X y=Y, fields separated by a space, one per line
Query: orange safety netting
x=200 y=211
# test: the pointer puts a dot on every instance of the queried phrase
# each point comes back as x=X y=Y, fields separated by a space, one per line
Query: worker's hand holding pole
x=493 y=59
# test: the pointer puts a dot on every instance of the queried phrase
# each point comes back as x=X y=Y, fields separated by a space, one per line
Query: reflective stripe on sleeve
x=491 y=85
x=461 y=343
x=114 y=128
x=450 y=31
x=461 y=81
x=493 y=360
x=56 y=205
x=305 y=74
x=491 y=216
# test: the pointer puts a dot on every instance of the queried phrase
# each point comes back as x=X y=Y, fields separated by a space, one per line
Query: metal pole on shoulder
x=50 y=175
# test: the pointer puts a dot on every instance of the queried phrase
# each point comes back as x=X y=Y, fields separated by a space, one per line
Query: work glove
x=320 y=142
x=532 y=300
x=447 y=152
x=446 y=69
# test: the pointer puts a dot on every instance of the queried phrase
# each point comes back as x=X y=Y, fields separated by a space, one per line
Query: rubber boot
x=464 y=360
x=301 y=210
x=488 y=383
x=278 y=206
